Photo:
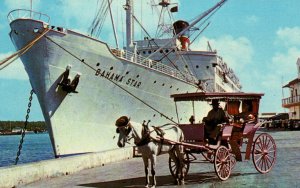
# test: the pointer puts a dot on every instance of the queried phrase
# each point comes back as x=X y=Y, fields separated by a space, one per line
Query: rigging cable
x=7 y=61
x=165 y=55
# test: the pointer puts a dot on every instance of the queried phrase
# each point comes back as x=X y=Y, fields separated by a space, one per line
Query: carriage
x=227 y=149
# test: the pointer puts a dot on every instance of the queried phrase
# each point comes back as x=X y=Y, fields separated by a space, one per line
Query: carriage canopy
x=203 y=96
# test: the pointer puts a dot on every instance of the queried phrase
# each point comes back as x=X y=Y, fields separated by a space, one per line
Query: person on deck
x=214 y=117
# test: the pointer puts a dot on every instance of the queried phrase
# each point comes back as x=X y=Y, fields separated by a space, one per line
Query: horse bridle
x=127 y=128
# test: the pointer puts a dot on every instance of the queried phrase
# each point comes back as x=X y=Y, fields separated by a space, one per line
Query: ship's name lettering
x=118 y=78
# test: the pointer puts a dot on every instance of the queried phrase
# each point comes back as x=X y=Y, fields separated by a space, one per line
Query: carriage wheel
x=222 y=163
x=173 y=167
x=264 y=153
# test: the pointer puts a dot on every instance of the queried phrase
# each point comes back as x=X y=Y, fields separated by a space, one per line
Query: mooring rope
x=134 y=96
x=7 y=61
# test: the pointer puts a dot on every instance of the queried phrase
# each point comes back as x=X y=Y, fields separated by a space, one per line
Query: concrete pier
x=26 y=173
x=130 y=173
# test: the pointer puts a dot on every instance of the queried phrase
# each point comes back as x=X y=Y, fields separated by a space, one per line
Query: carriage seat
x=193 y=133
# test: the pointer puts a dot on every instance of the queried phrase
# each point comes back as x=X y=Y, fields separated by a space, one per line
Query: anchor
x=66 y=84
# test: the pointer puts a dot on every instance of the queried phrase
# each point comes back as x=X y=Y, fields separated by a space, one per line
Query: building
x=293 y=101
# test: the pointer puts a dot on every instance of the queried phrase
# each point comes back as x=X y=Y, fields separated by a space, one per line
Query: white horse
x=149 y=141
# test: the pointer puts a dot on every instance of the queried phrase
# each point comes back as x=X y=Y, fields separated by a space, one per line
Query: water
x=36 y=147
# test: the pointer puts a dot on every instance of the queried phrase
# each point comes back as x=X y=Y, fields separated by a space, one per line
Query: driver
x=214 y=117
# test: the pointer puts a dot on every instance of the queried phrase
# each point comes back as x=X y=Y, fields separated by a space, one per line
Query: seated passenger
x=246 y=113
x=214 y=117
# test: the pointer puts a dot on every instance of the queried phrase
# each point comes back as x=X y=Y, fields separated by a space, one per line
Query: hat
x=122 y=121
x=214 y=102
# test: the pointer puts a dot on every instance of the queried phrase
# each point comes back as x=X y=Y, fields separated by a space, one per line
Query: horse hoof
x=146 y=186
x=182 y=182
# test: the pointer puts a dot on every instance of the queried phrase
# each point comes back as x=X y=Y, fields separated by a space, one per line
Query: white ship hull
x=84 y=121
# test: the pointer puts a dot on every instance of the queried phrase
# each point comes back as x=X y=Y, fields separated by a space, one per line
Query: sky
x=258 y=39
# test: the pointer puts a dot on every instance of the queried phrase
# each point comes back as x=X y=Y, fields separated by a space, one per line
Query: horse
x=149 y=142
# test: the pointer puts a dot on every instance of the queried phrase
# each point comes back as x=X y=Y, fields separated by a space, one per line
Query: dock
x=125 y=171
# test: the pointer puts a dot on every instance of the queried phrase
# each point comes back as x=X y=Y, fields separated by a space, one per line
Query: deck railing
x=135 y=58
x=27 y=14
x=291 y=100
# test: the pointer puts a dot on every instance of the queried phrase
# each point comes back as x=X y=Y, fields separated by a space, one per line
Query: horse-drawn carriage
x=184 y=141
x=232 y=135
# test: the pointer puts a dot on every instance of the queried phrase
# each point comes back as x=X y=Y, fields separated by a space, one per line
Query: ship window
x=154 y=115
x=154 y=81
x=177 y=89
x=149 y=52
x=35 y=30
x=167 y=51
x=161 y=51
x=127 y=72
x=171 y=86
x=111 y=68
x=15 y=31
x=207 y=67
x=163 y=84
x=137 y=76
x=197 y=66
x=144 y=52
x=186 y=66
x=97 y=64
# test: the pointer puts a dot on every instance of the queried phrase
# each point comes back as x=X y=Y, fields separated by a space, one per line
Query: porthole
x=97 y=64
x=163 y=84
x=154 y=115
x=149 y=52
x=111 y=68
x=127 y=72
x=207 y=67
x=186 y=66
x=167 y=51
x=154 y=81
x=171 y=86
x=197 y=66
x=177 y=89
x=144 y=52
x=137 y=76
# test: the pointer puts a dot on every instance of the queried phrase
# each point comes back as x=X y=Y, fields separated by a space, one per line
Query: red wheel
x=173 y=167
x=222 y=163
x=264 y=153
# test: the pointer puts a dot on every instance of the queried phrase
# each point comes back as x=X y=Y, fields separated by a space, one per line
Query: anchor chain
x=25 y=126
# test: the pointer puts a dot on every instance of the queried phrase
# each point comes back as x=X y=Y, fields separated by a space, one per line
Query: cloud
x=13 y=71
x=236 y=52
x=252 y=19
x=288 y=36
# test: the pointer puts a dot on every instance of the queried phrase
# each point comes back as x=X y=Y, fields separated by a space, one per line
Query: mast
x=129 y=23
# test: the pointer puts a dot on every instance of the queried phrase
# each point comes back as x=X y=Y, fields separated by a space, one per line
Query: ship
x=83 y=84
